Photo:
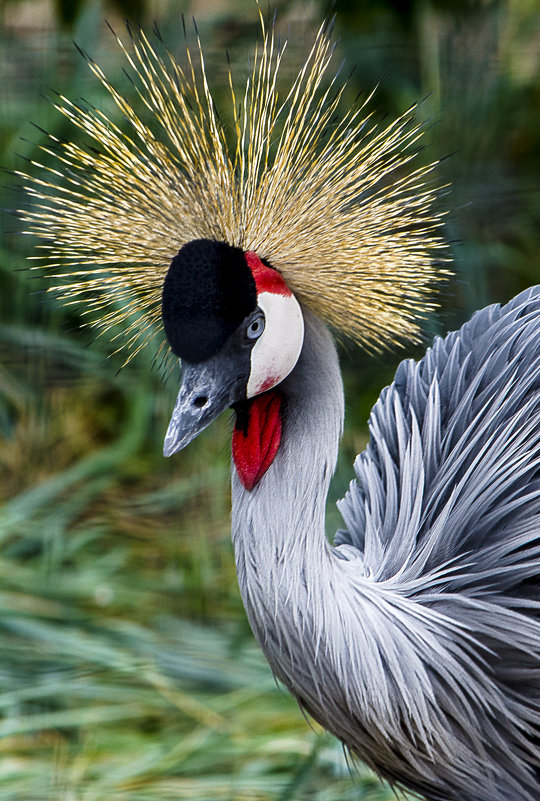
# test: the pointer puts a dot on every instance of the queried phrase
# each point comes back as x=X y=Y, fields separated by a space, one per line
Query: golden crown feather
x=336 y=207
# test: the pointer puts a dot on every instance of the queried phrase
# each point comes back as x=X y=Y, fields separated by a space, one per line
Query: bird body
x=415 y=637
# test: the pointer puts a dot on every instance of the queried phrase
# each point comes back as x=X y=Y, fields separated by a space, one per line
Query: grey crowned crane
x=415 y=637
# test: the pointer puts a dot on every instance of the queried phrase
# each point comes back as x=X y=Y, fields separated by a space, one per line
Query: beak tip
x=172 y=444
x=178 y=436
x=171 y=449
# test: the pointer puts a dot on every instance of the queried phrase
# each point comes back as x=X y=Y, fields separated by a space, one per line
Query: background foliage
x=127 y=669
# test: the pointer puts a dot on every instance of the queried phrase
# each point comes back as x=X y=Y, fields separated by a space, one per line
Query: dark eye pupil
x=255 y=326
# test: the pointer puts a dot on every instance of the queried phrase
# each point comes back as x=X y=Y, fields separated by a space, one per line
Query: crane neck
x=279 y=526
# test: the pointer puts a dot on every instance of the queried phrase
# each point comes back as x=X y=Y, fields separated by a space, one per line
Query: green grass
x=126 y=665
x=127 y=668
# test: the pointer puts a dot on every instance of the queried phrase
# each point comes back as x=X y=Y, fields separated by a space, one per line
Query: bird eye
x=255 y=327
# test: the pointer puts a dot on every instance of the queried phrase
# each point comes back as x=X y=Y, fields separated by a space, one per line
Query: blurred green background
x=127 y=668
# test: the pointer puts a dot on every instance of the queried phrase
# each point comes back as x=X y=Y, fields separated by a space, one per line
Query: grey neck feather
x=288 y=504
x=279 y=527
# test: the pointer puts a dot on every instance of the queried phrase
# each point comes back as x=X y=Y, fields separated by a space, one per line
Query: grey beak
x=203 y=395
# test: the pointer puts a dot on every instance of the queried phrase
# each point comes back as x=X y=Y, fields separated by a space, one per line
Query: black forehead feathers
x=208 y=291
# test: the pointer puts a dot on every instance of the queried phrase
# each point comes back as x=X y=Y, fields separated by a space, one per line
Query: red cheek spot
x=268 y=383
x=266 y=278
x=256 y=437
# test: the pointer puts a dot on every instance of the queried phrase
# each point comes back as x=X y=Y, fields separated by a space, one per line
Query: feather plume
x=337 y=207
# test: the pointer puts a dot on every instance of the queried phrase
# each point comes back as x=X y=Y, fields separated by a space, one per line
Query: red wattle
x=256 y=438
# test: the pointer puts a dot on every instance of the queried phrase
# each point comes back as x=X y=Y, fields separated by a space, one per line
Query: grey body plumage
x=415 y=639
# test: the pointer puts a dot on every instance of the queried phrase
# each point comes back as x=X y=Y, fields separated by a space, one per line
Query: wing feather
x=445 y=511
x=450 y=481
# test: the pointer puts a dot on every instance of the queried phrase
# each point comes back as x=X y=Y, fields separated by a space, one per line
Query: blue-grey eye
x=255 y=327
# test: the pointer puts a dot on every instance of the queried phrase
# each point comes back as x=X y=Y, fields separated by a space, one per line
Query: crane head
x=334 y=202
x=238 y=330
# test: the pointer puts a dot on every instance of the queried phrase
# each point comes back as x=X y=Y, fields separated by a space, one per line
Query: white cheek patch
x=276 y=352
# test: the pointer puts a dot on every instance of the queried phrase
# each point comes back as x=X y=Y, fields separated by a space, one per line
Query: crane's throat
x=256 y=436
